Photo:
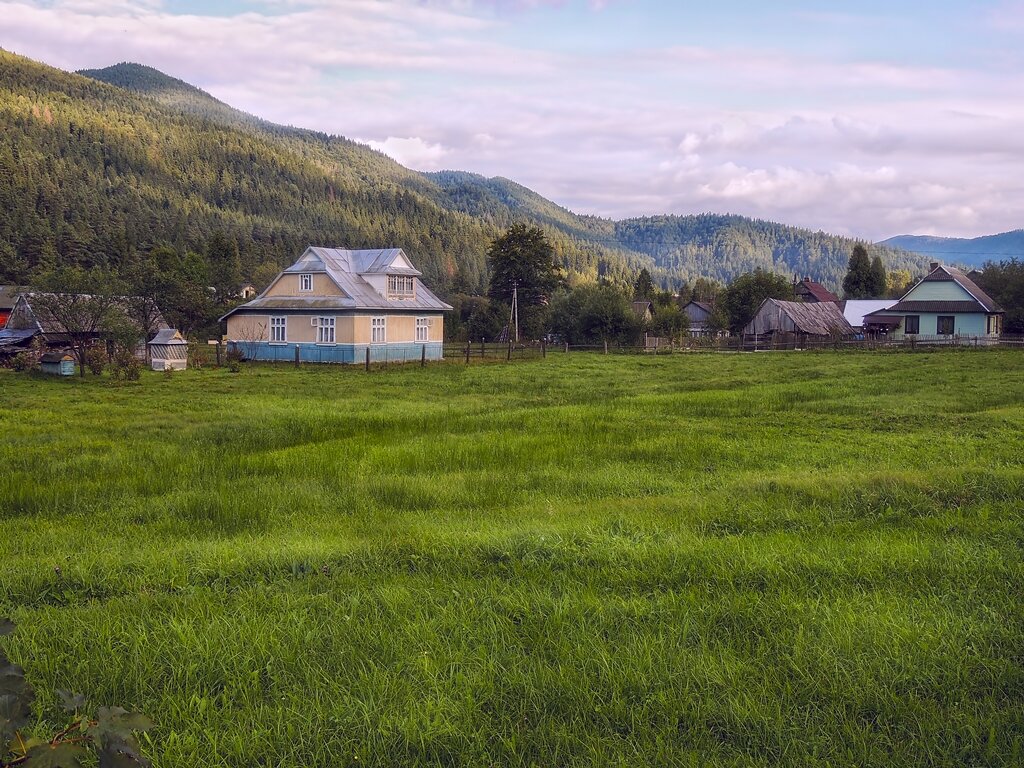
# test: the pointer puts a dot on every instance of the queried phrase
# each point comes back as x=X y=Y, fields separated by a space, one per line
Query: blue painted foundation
x=339 y=353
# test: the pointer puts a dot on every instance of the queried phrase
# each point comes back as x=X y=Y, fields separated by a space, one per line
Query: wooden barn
x=699 y=313
x=797 y=319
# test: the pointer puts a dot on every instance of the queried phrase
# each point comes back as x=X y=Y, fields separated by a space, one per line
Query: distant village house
x=945 y=303
x=810 y=292
x=333 y=304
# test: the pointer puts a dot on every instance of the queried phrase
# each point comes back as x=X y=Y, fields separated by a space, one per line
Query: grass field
x=783 y=559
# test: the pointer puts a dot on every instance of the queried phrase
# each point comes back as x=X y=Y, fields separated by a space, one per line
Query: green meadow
x=792 y=559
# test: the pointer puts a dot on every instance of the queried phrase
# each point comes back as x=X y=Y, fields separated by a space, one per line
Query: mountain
x=100 y=165
x=972 y=252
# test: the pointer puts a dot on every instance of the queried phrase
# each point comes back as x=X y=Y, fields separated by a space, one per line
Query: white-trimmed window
x=422 y=329
x=305 y=282
x=325 y=330
x=278 y=330
x=378 y=330
x=401 y=287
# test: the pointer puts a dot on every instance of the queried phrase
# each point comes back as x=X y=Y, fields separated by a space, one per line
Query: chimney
x=933 y=266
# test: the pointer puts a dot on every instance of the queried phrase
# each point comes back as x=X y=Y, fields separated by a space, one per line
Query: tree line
x=551 y=304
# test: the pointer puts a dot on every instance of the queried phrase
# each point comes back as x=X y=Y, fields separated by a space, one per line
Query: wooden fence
x=497 y=352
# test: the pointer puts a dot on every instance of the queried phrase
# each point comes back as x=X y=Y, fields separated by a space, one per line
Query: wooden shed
x=168 y=351
x=58 y=363
x=795 y=317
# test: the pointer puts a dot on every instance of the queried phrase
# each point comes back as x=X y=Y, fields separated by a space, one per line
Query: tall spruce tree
x=858 y=283
x=878 y=282
x=643 y=288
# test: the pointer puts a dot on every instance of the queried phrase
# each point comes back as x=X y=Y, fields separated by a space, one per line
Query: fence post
x=509 y=350
x=296 y=355
x=567 y=347
x=367 y=358
x=423 y=356
x=467 y=353
x=217 y=346
x=483 y=349
x=606 y=346
x=543 y=349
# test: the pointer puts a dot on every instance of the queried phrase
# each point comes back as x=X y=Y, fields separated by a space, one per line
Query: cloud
x=412 y=152
x=850 y=142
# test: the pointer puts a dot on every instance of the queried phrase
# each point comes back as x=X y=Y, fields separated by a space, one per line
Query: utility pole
x=515 y=308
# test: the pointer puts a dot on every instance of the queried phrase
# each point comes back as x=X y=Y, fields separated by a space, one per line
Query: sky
x=865 y=118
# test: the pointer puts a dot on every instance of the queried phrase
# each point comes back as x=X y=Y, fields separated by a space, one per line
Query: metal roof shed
x=168 y=351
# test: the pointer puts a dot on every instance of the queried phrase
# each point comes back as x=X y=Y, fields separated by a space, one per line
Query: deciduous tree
x=740 y=301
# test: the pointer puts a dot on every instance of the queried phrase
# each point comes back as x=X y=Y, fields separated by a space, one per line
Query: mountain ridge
x=95 y=170
x=972 y=251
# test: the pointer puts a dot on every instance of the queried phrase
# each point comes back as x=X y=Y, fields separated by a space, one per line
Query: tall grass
x=803 y=559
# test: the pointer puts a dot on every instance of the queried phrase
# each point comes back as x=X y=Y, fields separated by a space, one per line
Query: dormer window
x=305 y=282
x=401 y=287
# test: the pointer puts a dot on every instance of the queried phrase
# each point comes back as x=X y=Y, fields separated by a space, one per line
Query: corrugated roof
x=854 y=310
x=818 y=319
x=11 y=338
x=346 y=268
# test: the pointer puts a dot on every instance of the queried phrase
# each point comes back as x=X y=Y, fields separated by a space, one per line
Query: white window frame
x=306 y=283
x=325 y=330
x=378 y=330
x=279 y=323
x=401 y=287
x=422 y=329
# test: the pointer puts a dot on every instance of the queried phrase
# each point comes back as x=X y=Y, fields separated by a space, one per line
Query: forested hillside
x=96 y=172
x=721 y=247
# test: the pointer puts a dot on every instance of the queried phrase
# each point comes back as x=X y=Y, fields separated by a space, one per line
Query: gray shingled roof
x=346 y=268
x=817 y=319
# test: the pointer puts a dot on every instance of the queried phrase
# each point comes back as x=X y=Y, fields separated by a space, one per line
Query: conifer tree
x=858 y=282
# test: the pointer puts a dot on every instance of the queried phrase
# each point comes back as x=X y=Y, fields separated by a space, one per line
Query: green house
x=944 y=305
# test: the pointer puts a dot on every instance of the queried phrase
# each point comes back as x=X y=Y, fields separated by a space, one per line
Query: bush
x=125 y=366
x=234 y=358
x=23 y=361
x=95 y=360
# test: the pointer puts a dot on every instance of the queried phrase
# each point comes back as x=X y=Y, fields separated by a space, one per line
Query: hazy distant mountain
x=970 y=251
x=95 y=167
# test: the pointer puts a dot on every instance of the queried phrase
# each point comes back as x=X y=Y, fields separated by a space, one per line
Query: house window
x=422 y=329
x=378 y=330
x=995 y=325
x=401 y=287
x=305 y=282
x=325 y=330
x=278 y=330
x=945 y=325
x=912 y=324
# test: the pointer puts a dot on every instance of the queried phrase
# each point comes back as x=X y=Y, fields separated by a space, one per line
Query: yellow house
x=333 y=304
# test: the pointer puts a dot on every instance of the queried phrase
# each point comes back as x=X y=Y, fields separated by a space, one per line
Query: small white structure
x=168 y=351
x=854 y=310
